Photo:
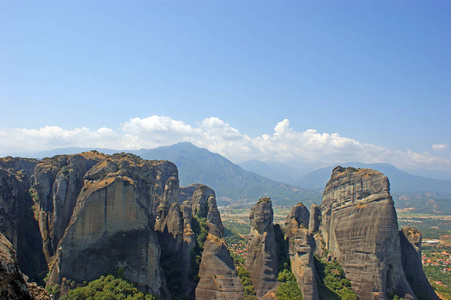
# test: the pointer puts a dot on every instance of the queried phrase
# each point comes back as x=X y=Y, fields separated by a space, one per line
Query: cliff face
x=17 y=221
x=112 y=224
x=360 y=228
x=13 y=285
x=217 y=273
x=301 y=247
x=262 y=261
x=56 y=184
x=411 y=262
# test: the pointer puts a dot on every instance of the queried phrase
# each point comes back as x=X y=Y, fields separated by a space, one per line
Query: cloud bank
x=282 y=145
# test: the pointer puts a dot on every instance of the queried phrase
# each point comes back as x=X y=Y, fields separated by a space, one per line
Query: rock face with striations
x=315 y=212
x=17 y=220
x=262 y=261
x=301 y=246
x=217 y=273
x=412 y=265
x=56 y=183
x=13 y=285
x=360 y=228
x=112 y=225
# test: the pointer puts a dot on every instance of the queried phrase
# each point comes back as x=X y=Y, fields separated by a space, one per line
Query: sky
x=296 y=82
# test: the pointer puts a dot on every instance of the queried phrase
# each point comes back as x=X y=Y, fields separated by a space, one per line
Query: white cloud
x=284 y=144
x=439 y=147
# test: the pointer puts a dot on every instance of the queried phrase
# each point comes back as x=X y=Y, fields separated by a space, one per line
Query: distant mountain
x=274 y=171
x=229 y=180
x=400 y=181
x=415 y=193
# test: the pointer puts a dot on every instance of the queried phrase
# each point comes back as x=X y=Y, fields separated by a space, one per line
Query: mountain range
x=244 y=183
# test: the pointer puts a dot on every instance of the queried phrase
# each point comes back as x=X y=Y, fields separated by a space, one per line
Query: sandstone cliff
x=13 y=285
x=217 y=273
x=112 y=224
x=56 y=184
x=315 y=212
x=301 y=246
x=360 y=228
x=262 y=260
x=17 y=221
x=412 y=265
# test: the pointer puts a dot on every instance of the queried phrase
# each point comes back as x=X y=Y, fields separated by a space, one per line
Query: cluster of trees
x=333 y=283
x=288 y=288
x=108 y=288
x=246 y=283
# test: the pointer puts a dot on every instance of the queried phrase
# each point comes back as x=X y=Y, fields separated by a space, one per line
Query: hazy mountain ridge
x=238 y=184
x=226 y=178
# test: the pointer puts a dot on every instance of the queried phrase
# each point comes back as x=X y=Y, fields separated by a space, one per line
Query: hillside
x=226 y=178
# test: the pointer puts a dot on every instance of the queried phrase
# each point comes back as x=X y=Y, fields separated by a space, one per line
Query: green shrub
x=333 y=283
x=288 y=287
x=246 y=283
x=108 y=288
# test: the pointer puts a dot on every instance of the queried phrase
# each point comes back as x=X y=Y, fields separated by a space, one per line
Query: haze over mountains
x=251 y=180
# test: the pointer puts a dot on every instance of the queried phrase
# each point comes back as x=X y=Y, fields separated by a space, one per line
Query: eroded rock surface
x=13 y=285
x=17 y=221
x=217 y=273
x=56 y=184
x=315 y=213
x=301 y=247
x=360 y=228
x=262 y=261
x=112 y=225
x=412 y=265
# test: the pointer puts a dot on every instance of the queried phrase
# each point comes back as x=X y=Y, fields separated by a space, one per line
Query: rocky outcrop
x=15 y=164
x=411 y=262
x=112 y=225
x=315 y=213
x=17 y=221
x=300 y=214
x=301 y=247
x=217 y=273
x=56 y=184
x=360 y=228
x=262 y=260
x=13 y=285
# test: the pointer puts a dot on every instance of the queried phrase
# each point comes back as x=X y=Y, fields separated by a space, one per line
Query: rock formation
x=13 y=285
x=56 y=183
x=262 y=260
x=112 y=224
x=217 y=273
x=412 y=265
x=360 y=228
x=315 y=212
x=300 y=251
x=17 y=221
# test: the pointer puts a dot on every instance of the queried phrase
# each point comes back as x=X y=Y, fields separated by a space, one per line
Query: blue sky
x=147 y=73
